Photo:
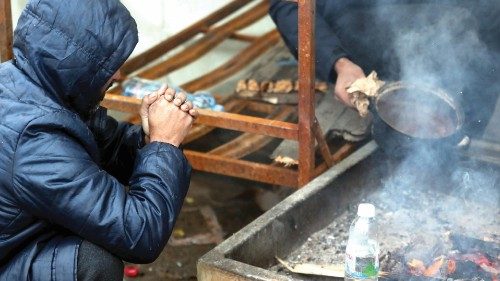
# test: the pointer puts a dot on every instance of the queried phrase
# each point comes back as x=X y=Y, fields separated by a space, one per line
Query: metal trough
x=247 y=254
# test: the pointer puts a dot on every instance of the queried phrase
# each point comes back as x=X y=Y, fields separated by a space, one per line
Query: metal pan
x=408 y=117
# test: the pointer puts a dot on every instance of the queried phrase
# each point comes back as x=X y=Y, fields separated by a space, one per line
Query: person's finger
x=162 y=90
x=170 y=94
x=194 y=113
x=150 y=99
x=187 y=106
x=180 y=98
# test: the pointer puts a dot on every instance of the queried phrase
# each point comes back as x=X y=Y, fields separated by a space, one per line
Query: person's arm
x=118 y=144
x=328 y=46
x=332 y=62
x=56 y=179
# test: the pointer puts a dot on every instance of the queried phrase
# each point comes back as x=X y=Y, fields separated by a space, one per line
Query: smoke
x=433 y=192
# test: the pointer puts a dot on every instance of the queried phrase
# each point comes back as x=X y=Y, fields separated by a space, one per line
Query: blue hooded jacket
x=63 y=170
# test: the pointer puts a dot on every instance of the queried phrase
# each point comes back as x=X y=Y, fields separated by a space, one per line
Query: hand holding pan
x=406 y=115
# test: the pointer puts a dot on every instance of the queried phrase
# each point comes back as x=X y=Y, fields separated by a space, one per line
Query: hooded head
x=71 y=48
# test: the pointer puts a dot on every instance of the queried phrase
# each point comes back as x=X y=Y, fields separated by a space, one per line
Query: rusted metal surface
x=261 y=107
x=257 y=131
x=248 y=143
x=323 y=146
x=243 y=37
x=248 y=254
x=235 y=64
x=249 y=124
x=339 y=155
x=182 y=37
x=199 y=130
x=307 y=80
x=241 y=169
x=5 y=31
x=121 y=103
x=208 y=42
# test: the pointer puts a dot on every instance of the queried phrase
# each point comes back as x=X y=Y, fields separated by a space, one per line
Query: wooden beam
x=306 y=89
x=211 y=40
x=5 y=31
x=167 y=45
x=241 y=169
x=235 y=64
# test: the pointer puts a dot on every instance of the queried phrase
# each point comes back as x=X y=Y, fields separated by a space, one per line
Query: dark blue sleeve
x=118 y=144
x=328 y=46
x=56 y=180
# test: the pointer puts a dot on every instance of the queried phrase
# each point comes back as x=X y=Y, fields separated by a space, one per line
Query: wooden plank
x=248 y=143
x=5 y=31
x=167 y=45
x=241 y=169
x=212 y=39
x=307 y=80
x=235 y=64
x=249 y=124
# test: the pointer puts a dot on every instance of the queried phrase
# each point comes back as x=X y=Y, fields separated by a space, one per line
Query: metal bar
x=307 y=79
x=248 y=143
x=121 y=103
x=207 y=43
x=249 y=124
x=243 y=37
x=338 y=156
x=241 y=169
x=235 y=64
x=224 y=120
x=5 y=31
x=323 y=146
x=199 y=130
x=261 y=107
x=167 y=45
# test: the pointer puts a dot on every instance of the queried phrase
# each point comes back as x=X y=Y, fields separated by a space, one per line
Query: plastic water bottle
x=361 y=261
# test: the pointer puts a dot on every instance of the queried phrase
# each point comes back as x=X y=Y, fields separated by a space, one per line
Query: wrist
x=165 y=140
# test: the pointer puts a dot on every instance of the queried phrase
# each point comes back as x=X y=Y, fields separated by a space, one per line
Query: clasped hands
x=167 y=116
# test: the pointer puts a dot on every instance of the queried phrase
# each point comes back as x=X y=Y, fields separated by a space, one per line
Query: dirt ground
x=231 y=201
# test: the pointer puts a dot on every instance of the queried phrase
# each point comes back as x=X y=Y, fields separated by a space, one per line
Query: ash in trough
x=423 y=205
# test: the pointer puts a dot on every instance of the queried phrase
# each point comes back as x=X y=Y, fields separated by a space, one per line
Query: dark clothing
x=96 y=264
x=452 y=44
x=62 y=171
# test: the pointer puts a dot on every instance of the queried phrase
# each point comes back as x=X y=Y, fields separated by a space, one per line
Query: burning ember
x=460 y=266
x=433 y=224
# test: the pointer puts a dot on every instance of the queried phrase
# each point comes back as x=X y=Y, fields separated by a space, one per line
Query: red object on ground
x=131 y=271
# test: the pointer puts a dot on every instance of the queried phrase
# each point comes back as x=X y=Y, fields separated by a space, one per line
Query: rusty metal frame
x=5 y=31
x=225 y=159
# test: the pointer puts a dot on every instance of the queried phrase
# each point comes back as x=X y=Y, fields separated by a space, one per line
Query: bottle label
x=361 y=267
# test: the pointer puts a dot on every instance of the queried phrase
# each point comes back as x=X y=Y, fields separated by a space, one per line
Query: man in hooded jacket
x=64 y=211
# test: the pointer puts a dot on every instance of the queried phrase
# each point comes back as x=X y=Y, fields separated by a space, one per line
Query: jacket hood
x=71 y=48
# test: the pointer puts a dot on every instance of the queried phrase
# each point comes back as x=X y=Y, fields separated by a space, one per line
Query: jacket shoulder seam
x=14 y=156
